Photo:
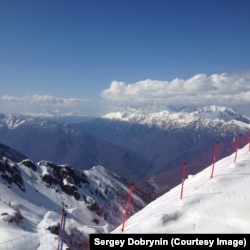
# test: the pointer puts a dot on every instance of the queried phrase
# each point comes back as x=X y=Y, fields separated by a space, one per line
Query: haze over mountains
x=165 y=136
x=63 y=144
x=134 y=143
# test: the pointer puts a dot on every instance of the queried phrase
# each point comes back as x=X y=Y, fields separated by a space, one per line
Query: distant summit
x=150 y=107
x=153 y=114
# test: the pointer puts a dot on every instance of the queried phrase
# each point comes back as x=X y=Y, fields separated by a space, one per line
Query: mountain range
x=61 y=143
x=108 y=154
x=166 y=136
x=135 y=142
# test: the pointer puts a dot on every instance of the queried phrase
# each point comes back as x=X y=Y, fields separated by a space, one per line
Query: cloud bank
x=46 y=103
x=218 y=89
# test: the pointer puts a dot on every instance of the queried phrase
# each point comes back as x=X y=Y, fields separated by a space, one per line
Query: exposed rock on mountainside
x=10 y=173
x=33 y=194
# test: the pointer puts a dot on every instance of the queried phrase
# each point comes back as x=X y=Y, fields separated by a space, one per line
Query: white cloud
x=221 y=89
x=43 y=99
x=217 y=89
x=39 y=103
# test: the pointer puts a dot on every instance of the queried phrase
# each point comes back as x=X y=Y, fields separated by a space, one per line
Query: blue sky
x=85 y=52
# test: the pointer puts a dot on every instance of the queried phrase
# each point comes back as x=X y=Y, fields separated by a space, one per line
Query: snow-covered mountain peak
x=218 y=110
x=165 y=117
x=208 y=109
x=214 y=108
x=215 y=113
x=150 y=107
x=13 y=120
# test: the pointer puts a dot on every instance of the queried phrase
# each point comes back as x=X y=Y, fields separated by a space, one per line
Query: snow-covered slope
x=210 y=205
x=32 y=196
